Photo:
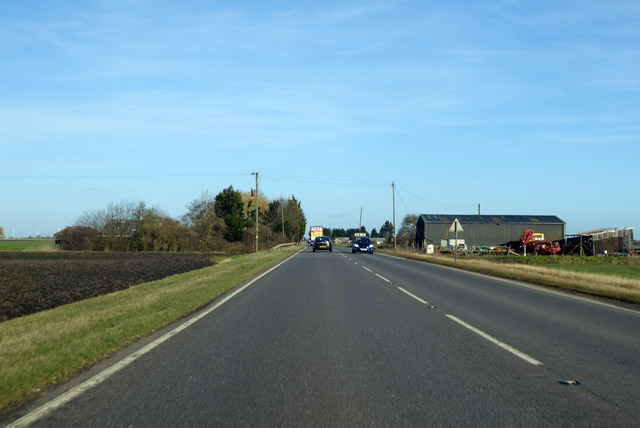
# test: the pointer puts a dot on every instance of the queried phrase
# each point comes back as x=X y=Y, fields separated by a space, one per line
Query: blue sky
x=524 y=107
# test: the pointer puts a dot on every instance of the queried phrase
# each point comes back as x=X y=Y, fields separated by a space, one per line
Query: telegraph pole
x=360 y=225
x=456 y=241
x=393 y=184
x=256 y=174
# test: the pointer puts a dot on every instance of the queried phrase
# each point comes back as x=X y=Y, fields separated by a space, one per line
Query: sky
x=523 y=107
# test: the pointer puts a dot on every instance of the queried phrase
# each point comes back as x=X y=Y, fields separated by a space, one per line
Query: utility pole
x=455 y=249
x=360 y=225
x=297 y=224
x=393 y=184
x=282 y=206
x=256 y=174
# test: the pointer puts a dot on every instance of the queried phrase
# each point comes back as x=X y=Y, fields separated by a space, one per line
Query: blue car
x=362 y=244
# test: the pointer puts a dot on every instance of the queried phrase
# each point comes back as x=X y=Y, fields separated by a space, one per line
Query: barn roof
x=474 y=218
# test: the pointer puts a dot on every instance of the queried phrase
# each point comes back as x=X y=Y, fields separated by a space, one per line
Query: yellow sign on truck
x=314 y=232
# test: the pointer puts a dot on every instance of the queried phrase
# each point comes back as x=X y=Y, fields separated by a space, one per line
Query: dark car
x=322 y=243
x=362 y=244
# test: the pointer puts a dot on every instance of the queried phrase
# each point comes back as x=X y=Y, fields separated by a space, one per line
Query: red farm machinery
x=534 y=243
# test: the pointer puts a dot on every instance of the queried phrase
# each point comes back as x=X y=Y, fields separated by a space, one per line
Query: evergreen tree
x=229 y=207
x=386 y=231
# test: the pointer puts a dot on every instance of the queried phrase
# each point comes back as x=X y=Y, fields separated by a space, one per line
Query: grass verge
x=623 y=271
x=599 y=284
x=44 y=349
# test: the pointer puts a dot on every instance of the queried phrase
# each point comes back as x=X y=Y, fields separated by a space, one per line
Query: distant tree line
x=224 y=222
x=406 y=233
x=337 y=232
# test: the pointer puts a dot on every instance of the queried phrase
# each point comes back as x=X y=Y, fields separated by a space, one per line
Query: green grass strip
x=27 y=245
x=44 y=349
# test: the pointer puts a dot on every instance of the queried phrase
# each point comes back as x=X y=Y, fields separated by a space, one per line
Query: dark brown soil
x=34 y=281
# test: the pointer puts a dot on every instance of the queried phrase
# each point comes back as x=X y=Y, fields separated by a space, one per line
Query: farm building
x=489 y=230
x=601 y=241
x=76 y=238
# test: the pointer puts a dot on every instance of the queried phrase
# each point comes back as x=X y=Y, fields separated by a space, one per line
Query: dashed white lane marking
x=525 y=285
x=492 y=339
x=413 y=295
x=47 y=408
x=383 y=278
x=482 y=334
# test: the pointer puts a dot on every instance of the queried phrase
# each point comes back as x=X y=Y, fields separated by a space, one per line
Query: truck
x=314 y=232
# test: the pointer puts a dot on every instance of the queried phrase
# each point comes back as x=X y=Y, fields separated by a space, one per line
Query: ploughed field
x=34 y=281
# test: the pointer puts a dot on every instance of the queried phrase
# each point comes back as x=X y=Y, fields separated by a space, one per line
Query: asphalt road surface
x=341 y=339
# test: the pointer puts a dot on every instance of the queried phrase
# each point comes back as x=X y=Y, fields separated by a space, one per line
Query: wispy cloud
x=333 y=15
x=127 y=86
x=624 y=85
x=605 y=140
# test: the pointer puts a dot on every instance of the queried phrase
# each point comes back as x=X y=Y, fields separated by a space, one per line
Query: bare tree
x=202 y=221
x=118 y=221
x=408 y=228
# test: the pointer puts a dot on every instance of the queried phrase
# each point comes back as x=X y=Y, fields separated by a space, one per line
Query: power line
x=402 y=200
x=325 y=180
x=316 y=180
x=224 y=174
x=432 y=201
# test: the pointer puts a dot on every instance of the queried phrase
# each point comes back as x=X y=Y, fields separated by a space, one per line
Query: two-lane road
x=341 y=339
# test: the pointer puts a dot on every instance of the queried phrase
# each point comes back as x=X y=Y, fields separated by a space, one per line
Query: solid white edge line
x=383 y=278
x=413 y=295
x=47 y=408
x=503 y=345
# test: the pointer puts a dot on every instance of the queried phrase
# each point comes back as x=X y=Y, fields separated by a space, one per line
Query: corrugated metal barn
x=490 y=230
